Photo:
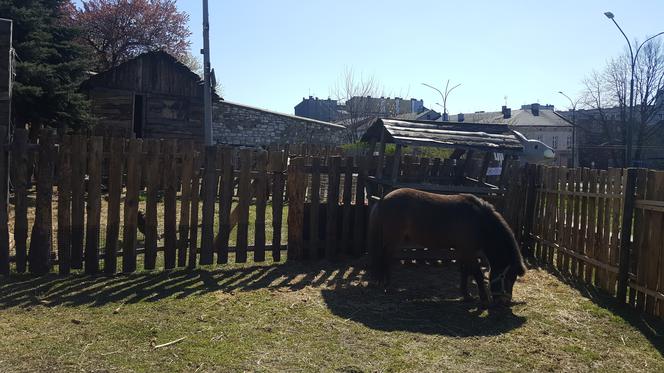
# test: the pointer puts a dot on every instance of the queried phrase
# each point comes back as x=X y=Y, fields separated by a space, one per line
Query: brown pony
x=469 y=225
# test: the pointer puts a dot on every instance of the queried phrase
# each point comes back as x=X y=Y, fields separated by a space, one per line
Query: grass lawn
x=310 y=317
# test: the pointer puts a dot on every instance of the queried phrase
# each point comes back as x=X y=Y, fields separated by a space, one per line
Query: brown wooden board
x=64 y=206
x=359 y=235
x=209 y=193
x=544 y=228
x=640 y=231
x=346 y=246
x=115 y=172
x=79 y=149
x=153 y=171
x=186 y=175
x=296 y=188
x=616 y=205
x=20 y=182
x=576 y=221
x=591 y=238
x=656 y=237
x=331 y=231
x=261 y=193
x=277 y=168
x=39 y=256
x=133 y=185
x=244 y=200
x=314 y=211
x=96 y=147
x=226 y=183
x=553 y=209
x=170 y=182
x=560 y=227
x=583 y=223
x=4 y=208
x=602 y=247
x=659 y=237
x=423 y=170
x=195 y=198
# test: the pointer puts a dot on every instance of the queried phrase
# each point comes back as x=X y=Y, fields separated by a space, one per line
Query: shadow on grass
x=651 y=327
x=424 y=300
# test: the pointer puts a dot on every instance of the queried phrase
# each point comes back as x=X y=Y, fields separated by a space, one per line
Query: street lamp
x=444 y=96
x=633 y=56
x=573 y=104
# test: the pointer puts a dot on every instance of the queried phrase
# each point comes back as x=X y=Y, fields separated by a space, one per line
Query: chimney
x=460 y=117
x=507 y=112
x=535 y=109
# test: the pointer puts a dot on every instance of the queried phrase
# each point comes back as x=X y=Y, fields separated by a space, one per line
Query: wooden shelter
x=150 y=96
x=473 y=143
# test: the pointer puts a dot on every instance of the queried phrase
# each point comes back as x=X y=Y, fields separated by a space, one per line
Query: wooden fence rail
x=602 y=227
x=111 y=204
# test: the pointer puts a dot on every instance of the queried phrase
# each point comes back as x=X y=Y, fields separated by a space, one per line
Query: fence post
x=626 y=235
x=531 y=193
x=296 y=195
x=4 y=198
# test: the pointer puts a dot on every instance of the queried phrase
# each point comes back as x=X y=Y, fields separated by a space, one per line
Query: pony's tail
x=377 y=270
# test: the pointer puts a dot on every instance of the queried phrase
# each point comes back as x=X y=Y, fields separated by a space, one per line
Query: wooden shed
x=150 y=96
x=475 y=146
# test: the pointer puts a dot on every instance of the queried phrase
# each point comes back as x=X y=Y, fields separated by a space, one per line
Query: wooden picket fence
x=190 y=198
x=574 y=221
x=79 y=209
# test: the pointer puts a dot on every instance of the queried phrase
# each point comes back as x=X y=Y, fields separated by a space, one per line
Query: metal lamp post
x=444 y=96
x=633 y=57
x=573 y=104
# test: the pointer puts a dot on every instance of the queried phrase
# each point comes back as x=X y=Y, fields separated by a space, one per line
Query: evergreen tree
x=49 y=66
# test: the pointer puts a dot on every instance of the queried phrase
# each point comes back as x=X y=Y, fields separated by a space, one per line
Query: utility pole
x=207 y=90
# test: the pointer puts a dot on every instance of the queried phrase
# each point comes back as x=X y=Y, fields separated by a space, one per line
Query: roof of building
x=519 y=117
x=118 y=73
x=423 y=115
x=476 y=136
x=337 y=126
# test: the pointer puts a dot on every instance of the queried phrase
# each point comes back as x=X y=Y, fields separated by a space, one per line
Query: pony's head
x=502 y=282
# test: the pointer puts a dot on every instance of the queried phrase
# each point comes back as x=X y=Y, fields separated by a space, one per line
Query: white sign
x=494 y=171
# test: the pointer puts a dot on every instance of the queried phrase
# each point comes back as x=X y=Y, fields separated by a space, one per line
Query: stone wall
x=237 y=124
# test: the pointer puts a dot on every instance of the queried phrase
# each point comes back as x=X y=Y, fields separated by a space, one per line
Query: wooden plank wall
x=166 y=204
x=576 y=229
x=127 y=204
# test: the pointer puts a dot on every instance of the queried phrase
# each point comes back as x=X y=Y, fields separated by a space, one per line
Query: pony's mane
x=500 y=231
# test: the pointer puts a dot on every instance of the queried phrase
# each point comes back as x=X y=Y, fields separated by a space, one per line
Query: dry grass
x=310 y=317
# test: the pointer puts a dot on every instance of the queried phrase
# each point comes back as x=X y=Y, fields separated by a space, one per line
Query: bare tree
x=607 y=94
x=363 y=99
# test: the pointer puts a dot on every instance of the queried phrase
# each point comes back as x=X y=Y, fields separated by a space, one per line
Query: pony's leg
x=482 y=284
x=463 y=286
x=386 y=264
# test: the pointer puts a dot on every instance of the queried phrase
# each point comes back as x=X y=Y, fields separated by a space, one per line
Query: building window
x=554 y=142
x=569 y=142
x=540 y=138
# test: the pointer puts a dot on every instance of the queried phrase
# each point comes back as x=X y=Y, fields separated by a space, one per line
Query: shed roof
x=476 y=136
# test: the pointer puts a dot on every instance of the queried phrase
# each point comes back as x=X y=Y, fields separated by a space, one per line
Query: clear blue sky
x=270 y=53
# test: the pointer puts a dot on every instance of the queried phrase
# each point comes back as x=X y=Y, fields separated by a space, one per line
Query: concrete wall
x=244 y=125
